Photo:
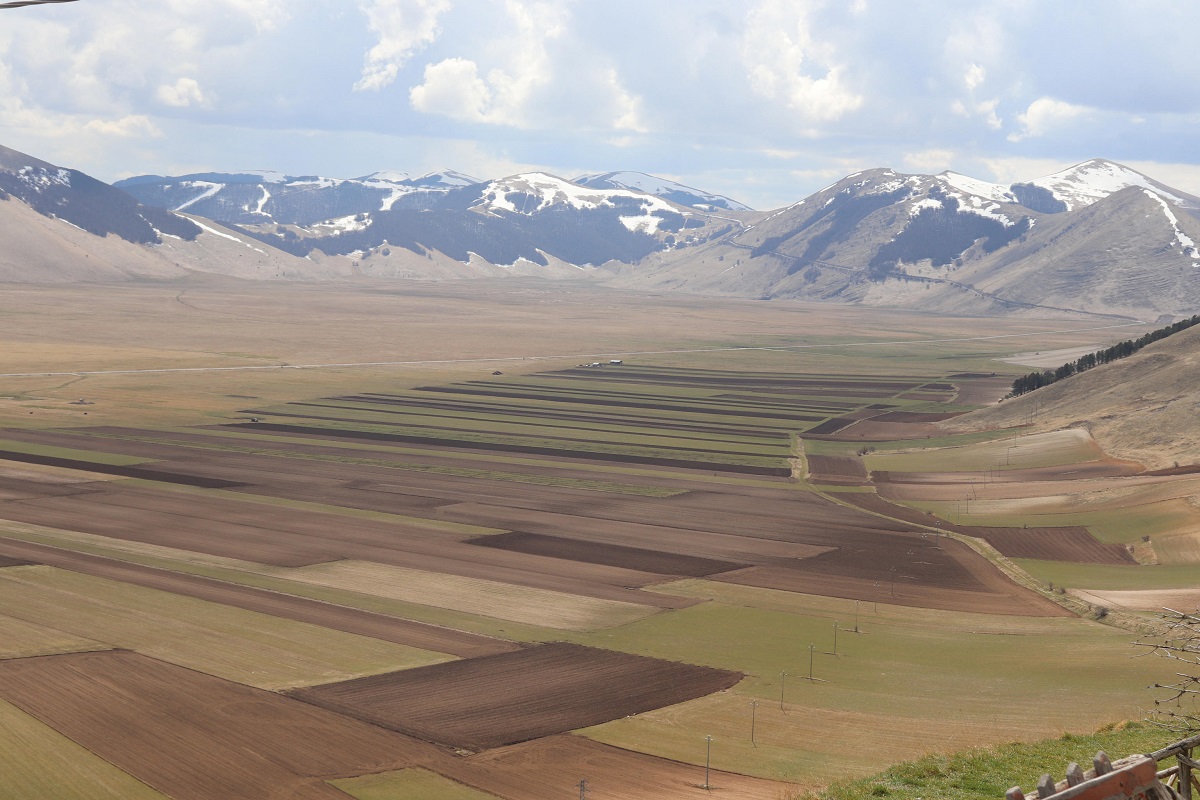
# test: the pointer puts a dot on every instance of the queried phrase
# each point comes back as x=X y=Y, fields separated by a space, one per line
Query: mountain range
x=1097 y=238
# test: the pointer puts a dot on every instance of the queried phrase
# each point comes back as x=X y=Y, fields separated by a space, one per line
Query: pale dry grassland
x=21 y=639
x=1018 y=452
x=524 y=604
x=36 y=761
x=1186 y=600
x=528 y=325
x=244 y=646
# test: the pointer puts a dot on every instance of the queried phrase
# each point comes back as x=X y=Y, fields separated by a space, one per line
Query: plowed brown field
x=1053 y=544
x=341 y=618
x=612 y=554
x=836 y=469
x=491 y=701
x=196 y=737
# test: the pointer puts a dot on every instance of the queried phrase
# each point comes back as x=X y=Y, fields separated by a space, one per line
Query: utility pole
x=835 y=630
x=893 y=571
x=811 y=648
x=583 y=790
x=856 y=616
x=707 y=760
x=753 y=708
x=876 y=597
x=782 y=682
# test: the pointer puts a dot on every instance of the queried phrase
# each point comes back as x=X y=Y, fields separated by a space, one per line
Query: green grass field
x=913 y=681
x=987 y=773
x=408 y=783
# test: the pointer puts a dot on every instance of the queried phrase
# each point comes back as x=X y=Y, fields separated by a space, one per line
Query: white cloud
x=975 y=76
x=627 y=111
x=403 y=26
x=783 y=61
x=183 y=93
x=453 y=88
x=1045 y=115
x=535 y=74
x=129 y=127
x=934 y=160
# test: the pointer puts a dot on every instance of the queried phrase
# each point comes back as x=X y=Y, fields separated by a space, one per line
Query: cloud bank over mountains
x=764 y=100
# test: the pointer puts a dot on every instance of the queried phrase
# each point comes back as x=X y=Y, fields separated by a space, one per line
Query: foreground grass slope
x=987 y=773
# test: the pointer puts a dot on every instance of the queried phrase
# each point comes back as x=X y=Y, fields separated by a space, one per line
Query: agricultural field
x=459 y=584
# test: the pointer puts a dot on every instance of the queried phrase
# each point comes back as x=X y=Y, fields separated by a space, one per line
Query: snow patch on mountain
x=262 y=201
x=661 y=187
x=535 y=191
x=209 y=189
x=1182 y=239
x=977 y=188
x=38 y=178
x=216 y=232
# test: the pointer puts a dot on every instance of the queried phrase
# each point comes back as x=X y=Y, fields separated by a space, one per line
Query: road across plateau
x=559 y=357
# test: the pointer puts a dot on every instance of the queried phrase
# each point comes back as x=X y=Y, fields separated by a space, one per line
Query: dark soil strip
x=583 y=437
x=606 y=402
x=300 y=609
x=831 y=426
x=1071 y=544
x=838 y=468
x=481 y=703
x=145 y=473
x=741 y=469
x=470 y=406
x=15 y=562
x=613 y=555
x=740 y=382
x=917 y=416
x=646 y=431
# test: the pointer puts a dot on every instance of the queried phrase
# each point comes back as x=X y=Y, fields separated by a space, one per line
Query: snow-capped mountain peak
x=661 y=187
x=973 y=186
x=1084 y=184
x=531 y=192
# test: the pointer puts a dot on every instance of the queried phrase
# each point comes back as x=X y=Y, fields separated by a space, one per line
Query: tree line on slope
x=1036 y=380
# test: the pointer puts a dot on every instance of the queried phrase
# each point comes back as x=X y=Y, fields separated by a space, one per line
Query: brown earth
x=196 y=737
x=567 y=452
x=555 y=414
x=289 y=537
x=491 y=701
x=300 y=609
x=990 y=594
x=611 y=554
x=551 y=768
x=836 y=469
x=1073 y=543
x=871 y=430
x=916 y=416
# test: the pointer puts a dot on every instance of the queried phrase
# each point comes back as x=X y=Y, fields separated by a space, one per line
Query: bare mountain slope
x=1145 y=407
x=1098 y=238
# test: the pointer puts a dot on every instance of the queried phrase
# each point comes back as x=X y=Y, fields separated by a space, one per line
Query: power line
x=19 y=3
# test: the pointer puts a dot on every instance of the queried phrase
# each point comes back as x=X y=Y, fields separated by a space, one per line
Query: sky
x=765 y=101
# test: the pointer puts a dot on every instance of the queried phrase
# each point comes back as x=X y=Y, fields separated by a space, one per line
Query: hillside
x=60 y=225
x=1142 y=408
x=1098 y=238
